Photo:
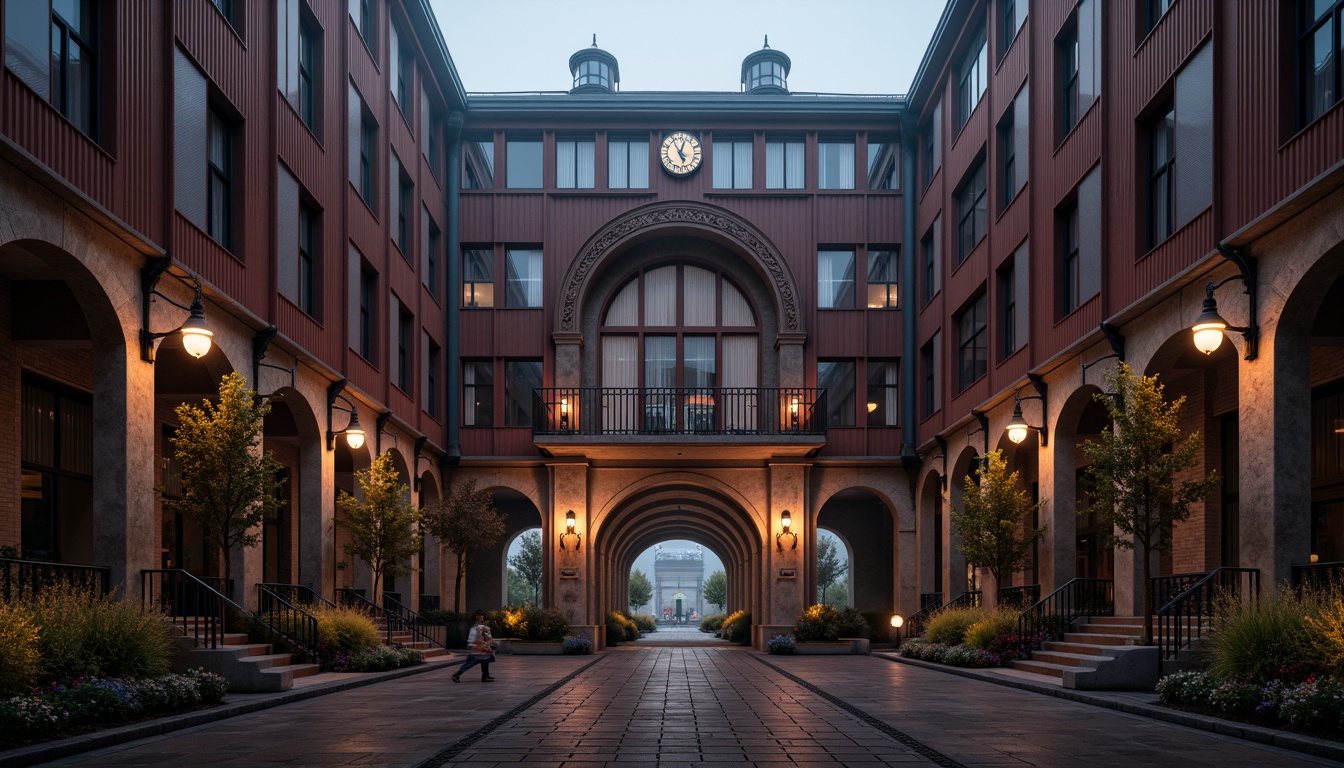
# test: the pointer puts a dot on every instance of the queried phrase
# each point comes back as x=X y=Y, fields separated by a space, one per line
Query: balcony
x=756 y=422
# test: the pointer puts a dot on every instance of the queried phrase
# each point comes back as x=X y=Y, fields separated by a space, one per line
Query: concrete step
x=269 y=660
x=1108 y=629
x=1096 y=638
x=1085 y=649
x=1066 y=658
x=296 y=670
x=1042 y=667
x=1122 y=621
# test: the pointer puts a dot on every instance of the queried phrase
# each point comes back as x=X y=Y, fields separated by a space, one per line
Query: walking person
x=479 y=650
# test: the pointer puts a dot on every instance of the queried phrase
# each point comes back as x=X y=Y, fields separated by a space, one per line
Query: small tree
x=1134 y=469
x=382 y=526
x=830 y=568
x=228 y=486
x=527 y=561
x=465 y=521
x=991 y=524
x=716 y=590
x=641 y=591
x=520 y=592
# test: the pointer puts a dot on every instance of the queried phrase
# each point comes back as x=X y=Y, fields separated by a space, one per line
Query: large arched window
x=687 y=340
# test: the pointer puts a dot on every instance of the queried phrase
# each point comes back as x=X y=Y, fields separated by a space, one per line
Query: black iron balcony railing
x=1018 y=598
x=780 y=411
x=1319 y=575
x=20 y=577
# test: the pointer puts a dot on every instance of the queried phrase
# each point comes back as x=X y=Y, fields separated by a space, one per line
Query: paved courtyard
x=666 y=705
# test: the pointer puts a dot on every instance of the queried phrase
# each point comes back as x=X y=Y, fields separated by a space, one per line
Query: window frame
x=309 y=69
x=972 y=209
x=837 y=415
x=61 y=65
x=519 y=419
x=1159 y=225
x=822 y=144
x=972 y=342
x=510 y=161
x=628 y=144
x=1305 y=31
x=368 y=142
x=471 y=176
x=785 y=165
x=433 y=359
x=487 y=388
x=877 y=393
x=540 y=280
x=405 y=360
x=1007 y=138
x=734 y=147
x=831 y=293
x=368 y=313
x=892 y=281
x=221 y=231
x=1070 y=272
x=309 y=226
x=1008 y=308
x=578 y=165
x=972 y=77
x=1068 y=57
x=469 y=290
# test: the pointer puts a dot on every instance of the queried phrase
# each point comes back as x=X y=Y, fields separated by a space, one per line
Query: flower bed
x=1314 y=705
x=60 y=710
x=998 y=652
x=379 y=658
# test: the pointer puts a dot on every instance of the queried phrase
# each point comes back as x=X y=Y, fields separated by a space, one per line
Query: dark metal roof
x=675 y=103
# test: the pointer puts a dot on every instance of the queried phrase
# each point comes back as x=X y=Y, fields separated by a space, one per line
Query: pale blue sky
x=836 y=46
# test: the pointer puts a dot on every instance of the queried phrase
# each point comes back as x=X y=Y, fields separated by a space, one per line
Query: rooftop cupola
x=766 y=71
x=594 y=70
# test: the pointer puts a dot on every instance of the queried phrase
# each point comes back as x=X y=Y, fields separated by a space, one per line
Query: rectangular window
x=362 y=12
x=478 y=165
x=1078 y=61
x=431 y=125
x=732 y=164
x=405 y=331
x=883 y=405
x=219 y=200
x=308 y=233
x=1013 y=149
x=884 y=164
x=930 y=249
x=403 y=192
x=522 y=278
x=835 y=164
x=1161 y=208
x=972 y=79
x=1319 y=53
x=368 y=305
x=368 y=140
x=784 y=165
x=431 y=246
x=53 y=48
x=522 y=164
x=970 y=201
x=225 y=8
x=478 y=393
x=628 y=164
x=1154 y=10
x=1192 y=139
x=835 y=279
x=433 y=359
x=309 y=40
x=1070 y=268
x=928 y=363
x=520 y=378
x=575 y=164
x=478 y=277
x=698 y=362
x=926 y=146
x=1008 y=308
x=837 y=378
x=972 y=347
x=883 y=269
x=403 y=76
x=1011 y=15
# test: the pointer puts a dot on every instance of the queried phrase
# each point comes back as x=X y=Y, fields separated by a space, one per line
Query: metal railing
x=412 y=620
x=1168 y=586
x=298 y=594
x=288 y=621
x=914 y=623
x=19 y=577
x=1019 y=598
x=1183 y=619
x=1059 y=609
x=969 y=599
x=429 y=603
x=392 y=621
x=1319 y=576
x=779 y=411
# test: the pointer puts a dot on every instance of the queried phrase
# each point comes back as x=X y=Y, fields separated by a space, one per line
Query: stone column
x=789 y=345
x=574 y=566
x=785 y=597
x=125 y=472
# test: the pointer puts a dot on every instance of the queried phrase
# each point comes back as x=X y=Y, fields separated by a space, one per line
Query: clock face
x=681 y=153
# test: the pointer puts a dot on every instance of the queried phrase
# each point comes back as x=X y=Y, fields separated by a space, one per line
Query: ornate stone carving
x=681 y=213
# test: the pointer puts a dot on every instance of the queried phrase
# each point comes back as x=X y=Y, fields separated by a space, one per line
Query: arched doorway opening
x=290 y=432
x=1078 y=538
x=487 y=570
x=835 y=572
x=524 y=569
x=348 y=461
x=862 y=527
x=932 y=535
x=1327 y=429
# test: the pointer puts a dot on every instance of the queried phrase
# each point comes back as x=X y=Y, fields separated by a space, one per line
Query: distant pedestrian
x=479 y=650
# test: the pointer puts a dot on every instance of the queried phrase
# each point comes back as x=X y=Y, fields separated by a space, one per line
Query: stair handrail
x=1019 y=597
x=22 y=574
x=1319 y=575
x=179 y=589
x=1073 y=600
x=392 y=622
x=299 y=594
x=300 y=626
x=1183 y=619
x=969 y=599
x=412 y=619
x=914 y=623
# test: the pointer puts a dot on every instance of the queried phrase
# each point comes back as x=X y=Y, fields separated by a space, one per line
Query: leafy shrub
x=343 y=631
x=1327 y=632
x=737 y=628
x=817 y=623
x=850 y=623
x=1186 y=688
x=985 y=631
x=82 y=632
x=379 y=658
x=969 y=656
x=20 y=660
x=631 y=629
x=620 y=629
x=1254 y=639
x=948 y=627
x=534 y=625
x=645 y=622
x=1236 y=698
x=577 y=645
x=924 y=651
x=780 y=644
x=444 y=618
x=713 y=622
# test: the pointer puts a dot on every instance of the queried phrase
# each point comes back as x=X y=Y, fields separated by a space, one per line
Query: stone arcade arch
x=292 y=542
x=485 y=581
x=864 y=524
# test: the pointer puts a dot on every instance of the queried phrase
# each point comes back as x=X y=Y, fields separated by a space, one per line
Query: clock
x=680 y=153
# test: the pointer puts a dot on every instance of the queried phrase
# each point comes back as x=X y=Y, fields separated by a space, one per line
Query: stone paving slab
x=688 y=706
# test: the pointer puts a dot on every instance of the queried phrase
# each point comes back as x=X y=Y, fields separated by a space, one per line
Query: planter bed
x=842 y=647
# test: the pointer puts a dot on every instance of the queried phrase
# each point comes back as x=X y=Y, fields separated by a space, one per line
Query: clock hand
x=680 y=146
